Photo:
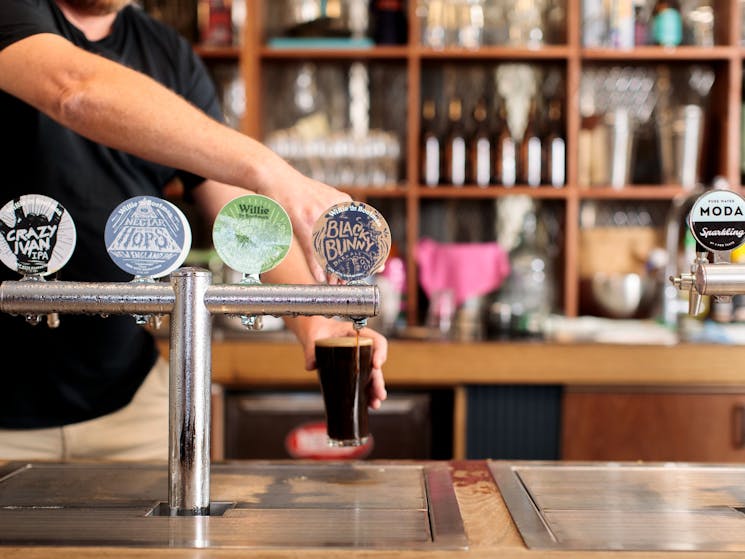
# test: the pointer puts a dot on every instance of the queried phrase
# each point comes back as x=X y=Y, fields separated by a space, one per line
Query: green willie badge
x=252 y=234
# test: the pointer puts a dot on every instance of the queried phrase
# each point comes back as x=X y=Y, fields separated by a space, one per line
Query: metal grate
x=257 y=505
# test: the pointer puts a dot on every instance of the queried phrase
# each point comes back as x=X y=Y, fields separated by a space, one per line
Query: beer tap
x=32 y=226
x=150 y=238
x=352 y=241
x=263 y=225
x=717 y=222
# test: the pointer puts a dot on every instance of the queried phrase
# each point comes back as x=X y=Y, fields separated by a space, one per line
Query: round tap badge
x=352 y=240
x=147 y=237
x=717 y=220
x=38 y=235
x=252 y=234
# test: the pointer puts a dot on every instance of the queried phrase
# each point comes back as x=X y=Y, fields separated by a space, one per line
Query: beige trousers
x=137 y=432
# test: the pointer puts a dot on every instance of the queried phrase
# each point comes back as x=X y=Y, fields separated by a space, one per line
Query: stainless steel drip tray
x=263 y=505
x=625 y=506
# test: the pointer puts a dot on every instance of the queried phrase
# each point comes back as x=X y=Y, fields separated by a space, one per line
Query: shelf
x=508 y=53
x=382 y=52
x=212 y=52
x=374 y=191
x=663 y=54
x=632 y=192
x=557 y=52
x=493 y=191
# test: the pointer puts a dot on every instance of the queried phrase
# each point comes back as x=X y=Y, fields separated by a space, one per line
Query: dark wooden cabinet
x=654 y=424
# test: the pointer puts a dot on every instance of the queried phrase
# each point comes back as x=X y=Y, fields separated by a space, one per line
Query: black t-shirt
x=89 y=366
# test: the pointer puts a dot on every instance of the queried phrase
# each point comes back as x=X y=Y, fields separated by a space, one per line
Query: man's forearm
x=116 y=106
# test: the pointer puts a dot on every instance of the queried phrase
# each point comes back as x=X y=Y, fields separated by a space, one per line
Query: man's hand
x=317 y=327
x=305 y=200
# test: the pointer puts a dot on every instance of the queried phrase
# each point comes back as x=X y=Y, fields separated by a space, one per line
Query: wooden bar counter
x=488 y=525
x=239 y=362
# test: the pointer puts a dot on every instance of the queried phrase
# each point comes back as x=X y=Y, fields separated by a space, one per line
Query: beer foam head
x=343 y=341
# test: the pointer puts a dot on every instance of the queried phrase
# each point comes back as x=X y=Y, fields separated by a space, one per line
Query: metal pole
x=190 y=352
x=306 y=300
x=77 y=297
x=720 y=279
x=22 y=297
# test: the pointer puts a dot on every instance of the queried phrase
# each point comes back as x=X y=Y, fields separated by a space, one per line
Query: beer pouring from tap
x=717 y=222
x=352 y=242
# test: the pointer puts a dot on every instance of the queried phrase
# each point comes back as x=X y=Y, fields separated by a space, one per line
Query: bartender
x=100 y=103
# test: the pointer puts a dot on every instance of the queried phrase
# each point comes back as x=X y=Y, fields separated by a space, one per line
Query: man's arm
x=124 y=109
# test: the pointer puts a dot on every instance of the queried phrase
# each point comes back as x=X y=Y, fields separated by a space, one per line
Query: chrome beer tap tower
x=717 y=221
x=146 y=236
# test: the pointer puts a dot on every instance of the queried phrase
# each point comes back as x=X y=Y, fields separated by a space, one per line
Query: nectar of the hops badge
x=352 y=241
x=38 y=235
x=252 y=234
x=147 y=237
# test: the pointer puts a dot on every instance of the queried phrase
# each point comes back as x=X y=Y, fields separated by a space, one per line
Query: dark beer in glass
x=344 y=365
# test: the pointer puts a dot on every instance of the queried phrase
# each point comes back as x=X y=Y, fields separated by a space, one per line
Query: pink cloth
x=468 y=269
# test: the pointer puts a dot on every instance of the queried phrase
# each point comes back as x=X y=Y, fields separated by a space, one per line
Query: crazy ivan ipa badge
x=352 y=241
x=147 y=237
x=38 y=235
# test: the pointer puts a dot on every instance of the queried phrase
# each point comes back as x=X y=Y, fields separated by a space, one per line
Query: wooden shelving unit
x=726 y=57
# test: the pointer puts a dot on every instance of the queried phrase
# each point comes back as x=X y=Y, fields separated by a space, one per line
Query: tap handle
x=147 y=237
x=38 y=238
x=695 y=302
x=38 y=235
x=252 y=234
x=352 y=241
x=252 y=322
x=717 y=222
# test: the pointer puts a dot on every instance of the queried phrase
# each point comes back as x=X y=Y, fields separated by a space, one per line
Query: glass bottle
x=554 y=148
x=640 y=25
x=455 y=146
x=480 y=147
x=390 y=27
x=667 y=23
x=529 y=290
x=505 y=152
x=430 y=149
x=530 y=150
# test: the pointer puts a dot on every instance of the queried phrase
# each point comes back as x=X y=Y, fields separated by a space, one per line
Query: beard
x=97 y=7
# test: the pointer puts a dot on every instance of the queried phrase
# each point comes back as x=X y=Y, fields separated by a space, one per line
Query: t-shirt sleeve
x=22 y=18
x=201 y=92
